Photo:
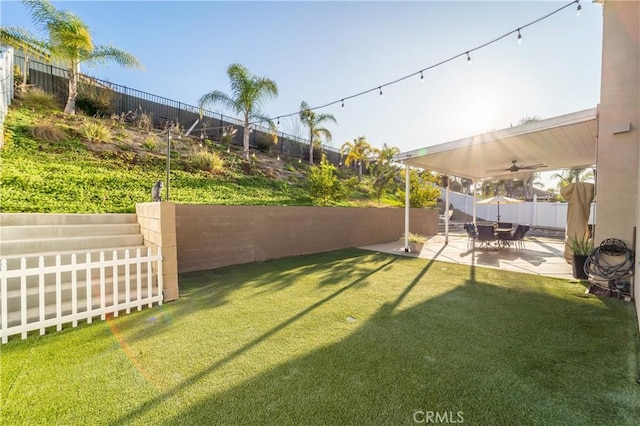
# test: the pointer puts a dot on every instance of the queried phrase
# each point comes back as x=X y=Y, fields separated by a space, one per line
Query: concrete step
x=66 y=277
x=14 y=293
x=65 y=231
x=27 y=247
x=37 y=219
x=33 y=259
x=33 y=311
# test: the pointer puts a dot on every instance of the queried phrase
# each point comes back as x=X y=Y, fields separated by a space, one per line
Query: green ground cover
x=346 y=337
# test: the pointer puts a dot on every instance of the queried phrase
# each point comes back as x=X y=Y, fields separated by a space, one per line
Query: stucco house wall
x=618 y=148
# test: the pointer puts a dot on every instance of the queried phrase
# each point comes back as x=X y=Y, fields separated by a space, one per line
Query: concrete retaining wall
x=214 y=236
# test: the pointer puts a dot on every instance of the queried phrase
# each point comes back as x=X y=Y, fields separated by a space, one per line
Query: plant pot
x=415 y=247
x=577 y=263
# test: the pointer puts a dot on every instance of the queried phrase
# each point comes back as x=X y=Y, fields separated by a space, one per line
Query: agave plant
x=580 y=245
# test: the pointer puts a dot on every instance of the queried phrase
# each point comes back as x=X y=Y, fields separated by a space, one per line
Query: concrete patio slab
x=541 y=256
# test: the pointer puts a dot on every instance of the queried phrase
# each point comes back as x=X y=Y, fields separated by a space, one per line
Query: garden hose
x=604 y=268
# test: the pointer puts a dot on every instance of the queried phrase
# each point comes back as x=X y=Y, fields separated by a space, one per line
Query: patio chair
x=486 y=236
x=505 y=225
x=472 y=234
x=524 y=233
x=517 y=236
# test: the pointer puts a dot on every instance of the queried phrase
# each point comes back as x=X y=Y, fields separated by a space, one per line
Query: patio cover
x=560 y=142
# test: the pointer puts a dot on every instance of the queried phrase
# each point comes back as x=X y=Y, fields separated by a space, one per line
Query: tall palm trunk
x=25 y=73
x=245 y=138
x=311 y=146
x=70 y=107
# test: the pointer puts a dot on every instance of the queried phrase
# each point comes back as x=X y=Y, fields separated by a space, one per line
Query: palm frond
x=22 y=39
x=218 y=97
x=260 y=117
x=103 y=54
x=43 y=14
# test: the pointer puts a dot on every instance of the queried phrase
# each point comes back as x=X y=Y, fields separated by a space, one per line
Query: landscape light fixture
x=519 y=37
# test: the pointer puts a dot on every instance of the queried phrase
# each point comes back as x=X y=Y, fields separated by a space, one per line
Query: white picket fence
x=102 y=294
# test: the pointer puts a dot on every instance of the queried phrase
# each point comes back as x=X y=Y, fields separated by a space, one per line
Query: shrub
x=142 y=120
x=323 y=184
x=150 y=143
x=265 y=142
x=18 y=77
x=95 y=132
x=38 y=99
x=94 y=100
x=48 y=132
x=208 y=161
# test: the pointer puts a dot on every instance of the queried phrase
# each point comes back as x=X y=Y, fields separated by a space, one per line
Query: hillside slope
x=47 y=165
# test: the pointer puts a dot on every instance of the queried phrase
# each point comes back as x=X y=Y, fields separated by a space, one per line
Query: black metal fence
x=162 y=110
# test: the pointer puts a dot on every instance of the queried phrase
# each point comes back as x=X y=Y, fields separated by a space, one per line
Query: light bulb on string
x=381 y=95
x=579 y=9
x=421 y=77
x=519 y=37
x=342 y=104
x=278 y=121
x=468 y=58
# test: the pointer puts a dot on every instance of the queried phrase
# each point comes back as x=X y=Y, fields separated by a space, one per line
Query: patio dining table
x=504 y=235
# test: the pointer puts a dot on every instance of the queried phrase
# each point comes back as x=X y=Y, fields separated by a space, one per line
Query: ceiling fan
x=515 y=168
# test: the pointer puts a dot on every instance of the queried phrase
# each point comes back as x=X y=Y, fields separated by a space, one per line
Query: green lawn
x=347 y=337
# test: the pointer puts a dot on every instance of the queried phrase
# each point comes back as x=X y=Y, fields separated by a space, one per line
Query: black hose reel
x=610 y=266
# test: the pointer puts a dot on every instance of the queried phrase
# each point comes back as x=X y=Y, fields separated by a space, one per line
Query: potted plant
x=416 y=242
x=580 y=247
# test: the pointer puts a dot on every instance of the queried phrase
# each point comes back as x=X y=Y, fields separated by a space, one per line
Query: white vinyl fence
x=544 y=214
x=33 y=298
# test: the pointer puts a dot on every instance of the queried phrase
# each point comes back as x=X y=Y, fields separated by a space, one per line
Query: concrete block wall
x=214 y=236
x=158 y=228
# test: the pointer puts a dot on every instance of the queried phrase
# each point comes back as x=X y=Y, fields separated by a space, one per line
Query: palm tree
x=312 y=122
x=577 y=174
x=69 y=41
x=383 y=171
x=21 y=39
x=248 y=93
x=357 y=151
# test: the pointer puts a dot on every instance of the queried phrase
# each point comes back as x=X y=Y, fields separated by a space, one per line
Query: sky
x=325 y=51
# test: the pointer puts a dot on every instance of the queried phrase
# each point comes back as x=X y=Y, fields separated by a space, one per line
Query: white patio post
x=534 y=214
x=446 y=213
x=406 y=208
x=474 y=203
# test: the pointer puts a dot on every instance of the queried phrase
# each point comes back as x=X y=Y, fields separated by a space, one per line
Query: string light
x=278 y=121
x=467 y=53
x=421 y=77
x=579 y=9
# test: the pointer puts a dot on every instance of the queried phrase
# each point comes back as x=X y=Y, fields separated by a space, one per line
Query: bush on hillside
x=94 y=100
x=324 y=186
x=95 y=132
x=38 y=100
x=48 y=132
x=207 y=161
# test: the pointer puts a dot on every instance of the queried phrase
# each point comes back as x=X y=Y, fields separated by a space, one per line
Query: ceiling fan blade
x=532 y=167
x=496 y=170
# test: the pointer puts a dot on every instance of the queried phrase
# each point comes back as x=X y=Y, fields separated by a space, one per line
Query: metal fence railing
x=162 y=110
